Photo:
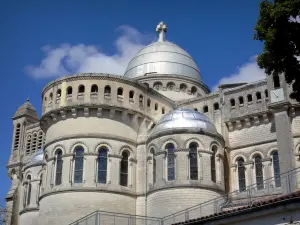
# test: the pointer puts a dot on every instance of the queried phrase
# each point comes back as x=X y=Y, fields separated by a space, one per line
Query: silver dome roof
x=163 y=57
x=38 y=157
x=184 y=118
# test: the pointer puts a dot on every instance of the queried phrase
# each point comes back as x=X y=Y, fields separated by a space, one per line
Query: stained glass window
x=102 y=165
x=59 y=162
x=259 y=172
x=171 y=161
x=78 y=171
x=213 y=163
x=154 y=170
x=124 y=169
x=241 y=174
x=276 y=169
x=193 y=161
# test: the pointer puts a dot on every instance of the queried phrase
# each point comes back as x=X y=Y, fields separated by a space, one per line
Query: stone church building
x=152 y=142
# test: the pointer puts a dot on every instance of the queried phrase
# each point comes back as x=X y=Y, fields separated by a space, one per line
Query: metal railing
x=282 y=184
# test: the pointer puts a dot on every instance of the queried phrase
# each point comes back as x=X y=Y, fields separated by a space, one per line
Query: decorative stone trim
x=133 y=160
x=29 y=209
x=246 y=87
x=114 y=156
x=204 y=151
x=160 y=153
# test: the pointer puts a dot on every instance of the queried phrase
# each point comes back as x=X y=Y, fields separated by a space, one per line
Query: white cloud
x=67 y=59
x=293 y=19
x=249 y=72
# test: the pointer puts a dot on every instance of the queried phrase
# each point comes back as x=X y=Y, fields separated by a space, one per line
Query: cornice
x=198 y=99
x=29 y=209
x=246 y=87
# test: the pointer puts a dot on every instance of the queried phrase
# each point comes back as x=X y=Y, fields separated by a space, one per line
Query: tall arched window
x=193 y=161
x=102 y=165
x=276 y=168
x=124 y=169
x=59 y=164
x=154 y=166
x=171 y=161
x=241 y=174
x=40 y=185
x=259 y=172
x=28 y=197
x=78 y=168
x=94 y=89
x=69 y=90
x=17 y=136
x=213 y=163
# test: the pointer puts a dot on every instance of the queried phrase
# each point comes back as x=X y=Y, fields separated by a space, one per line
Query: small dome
x=38 y=157
x=184 y=118
x=27 y=109
x=163 y=57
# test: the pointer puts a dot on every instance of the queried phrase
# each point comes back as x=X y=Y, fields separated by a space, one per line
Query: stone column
x=181 y=165
x=206 y=162
x=267 y=173
x=114 y=161
x=285 y=147
x=160 y=168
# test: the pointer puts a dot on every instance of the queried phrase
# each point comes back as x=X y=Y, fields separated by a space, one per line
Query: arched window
x=94 y=89
x=17 y=136
x=34 y=141
x=28 y=197
x=141 y=100
x=154 y=166
x=124 y=169
x=205 y=109
x=156 y=106
x=276 y=168
x=216 y=106
x=131 y=95
x=258 y=95
x=69 y=90
x=195 y=109
x=107 y=90
x=276 y=81
x=266 y=94
x=171 y=161
x=102 y=165
x=241 y=100
x=241 y=174
x=28 y=145
x=58 y=93
x=259 y=172
x=40 y=140
x=193 y=90
x=78 y=168
x=59 y=164
x=232 y=102
x=162 y=110
x=147 y=85
x=157 y=85
x=213 y=163
x=193 y=160
x=40 y=185
x=81 y=89
x=249 y=98
x=170 y=86
x=182 y=87
x=148 y=102
x=120 y=91
x=51 y=96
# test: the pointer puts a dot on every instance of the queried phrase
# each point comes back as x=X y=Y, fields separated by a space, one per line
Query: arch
x=34 y=142
x=182 y=87
x=131 y=94
x=145 y=83
x=58 y=147
x=69 y=90
x=190 y=140
x=141 y=99
x=152 y=149
x=81 y=89
x=28 y=144
x=162 y=110
x=58 y=93
x=216 y=106
x=126 y=148
x=102 y=164
x=17 y=136
x=59 y=166
x=153 y=168
x=259 y=176
x=258 y=96
x=79 y=143
x=45 y=98
x=148 y=102
x=107 y=90
x=51 y=96
x=256 y=152
x=205 y=109
x=193 y=90
x=266 y=93
x=103 y=144
x=193 y=160
x=170 y=140
x=249 y=98
x=232 y=102
x=241 y=100
x=157 y=85
x=28 y=187
x=213 y=169
x=241 y=175
x=156 y=106
x=170 y=85
x=195 y=109
x=276 y=167
x=78 y=163
x=170 y=147
x=120 y=91
x=124 y=168
x=94 y=89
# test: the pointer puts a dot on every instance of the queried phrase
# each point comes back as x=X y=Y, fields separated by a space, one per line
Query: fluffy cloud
x=67 y=59
x=249 y=72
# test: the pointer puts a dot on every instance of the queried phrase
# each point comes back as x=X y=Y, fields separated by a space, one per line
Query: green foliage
x=281 y=38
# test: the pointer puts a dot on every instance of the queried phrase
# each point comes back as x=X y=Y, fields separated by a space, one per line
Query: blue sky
x=41 y=40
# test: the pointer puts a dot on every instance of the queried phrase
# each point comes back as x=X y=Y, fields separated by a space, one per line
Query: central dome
x=162 y=57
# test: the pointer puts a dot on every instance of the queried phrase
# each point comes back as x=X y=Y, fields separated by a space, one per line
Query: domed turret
x=163 y=57
x=182 y=119
x=27 y=109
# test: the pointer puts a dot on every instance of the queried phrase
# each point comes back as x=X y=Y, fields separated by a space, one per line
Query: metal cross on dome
x=162 y=29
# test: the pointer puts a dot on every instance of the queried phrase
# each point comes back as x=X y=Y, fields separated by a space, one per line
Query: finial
x=162 y=29
x=27 y=100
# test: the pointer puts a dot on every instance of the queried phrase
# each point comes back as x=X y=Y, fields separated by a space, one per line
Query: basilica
x=154 y=146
